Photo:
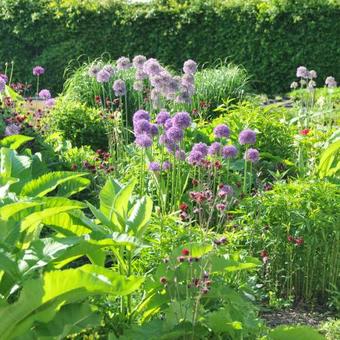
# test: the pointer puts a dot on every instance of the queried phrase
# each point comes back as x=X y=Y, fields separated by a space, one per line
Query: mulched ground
x=294 y=316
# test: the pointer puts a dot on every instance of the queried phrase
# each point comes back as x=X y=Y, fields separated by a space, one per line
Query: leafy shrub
x=269 y=38
x=80 y=124
x=294 y=227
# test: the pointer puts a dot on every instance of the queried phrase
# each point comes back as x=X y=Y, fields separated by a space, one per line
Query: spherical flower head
x=154 y=166
x=138 y=61
x=185 y=252
x=247 y=136
x=294 y=85
x=140 y=75
x=143 y=141
x=215 y=149
x=312 y=74
x=12 y=129
x=168 y=124
x=174 y=134
x=183 y=98
x=189 y=67
x=171 y=87
x=93 y=70
x=119 y=87
x=201 y=147
x=229 y=151
x=180 y=155
x=103 y=76
x=195 y=157
x=110 y=69
x=162 y=117
x=38 y=71
x=141 y=126
x=225 y=190
x=2 y=84
x=138 y=86
x=141 y=114
x=153 y=130
x=123 y=63
x=4 y=77
x=302 y=72
x=157 y=82
x=221 y=131
x=166 y=166
x=330 y=82
x=252 y=155
x=152 y=67
x=188 y=80
x=311 y=84
x=181 y=120
x=45 y=94
x=50 y=102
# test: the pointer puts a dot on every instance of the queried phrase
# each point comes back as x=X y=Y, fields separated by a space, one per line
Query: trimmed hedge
x=269 y=38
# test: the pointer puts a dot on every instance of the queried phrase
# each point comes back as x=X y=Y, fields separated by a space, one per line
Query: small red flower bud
x=185 y=252
x=264 y=253
x=194 y=182
x=290 y=238
x=299 y=241
x=304 y=132
x=183 y=207
x=74 y=167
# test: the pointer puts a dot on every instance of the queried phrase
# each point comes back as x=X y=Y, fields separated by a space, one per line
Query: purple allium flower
x=153 y=130
x=171 y=87
x=144 y=141
x=180 y=154
x=181 y=120
x=247 y=136
x=157 y=81
x=311 y=84
x=119 y=87
x=221 y=131
x=110 y=69
x=154 y=95
x=2 y=84
x=183 y=98
x=225 y=190
x=50 y=102
x=215 y=148
x=168 y=124
x=312 y=74
x=174 y=134
x=123 y=63
x=141 y=126
x=170 y=145
x=152 y=67
x=4 y=77
x=138 y=86
x=190 y=67
x=229 y=151
x=93 y=70
x=12 y=129
x=330 y=81
x=141 y=114
x=195 y=157
x=162 y=117
x=302 y=72
x=188 y=80
x=294 y=85
x=154 y=166
x=166 y=165
x=201 y=147
x=45 y=94
x=103 y=76
x=252 y=155
x=140 y=75
x=38 y=71
x=138 y=61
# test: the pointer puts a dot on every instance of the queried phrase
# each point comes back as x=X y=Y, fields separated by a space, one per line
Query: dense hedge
x=270 y=38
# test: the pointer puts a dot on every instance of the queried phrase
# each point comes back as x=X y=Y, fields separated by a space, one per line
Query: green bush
x=295 y=227
x=269 y=38
x=80 y=124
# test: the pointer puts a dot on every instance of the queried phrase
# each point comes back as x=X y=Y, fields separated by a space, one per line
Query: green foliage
x=80 y=124
x=269 y=38
x=294 y=332
x=296 y=224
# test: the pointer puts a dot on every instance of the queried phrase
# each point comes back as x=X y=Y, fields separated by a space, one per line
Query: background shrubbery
x=269 y=38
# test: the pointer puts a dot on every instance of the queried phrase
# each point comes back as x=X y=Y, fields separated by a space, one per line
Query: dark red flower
x=218 y=165
x=180 y=258
x=299 y=241
x=290 y=238
x=194 y=182
x=264 y=253
x=304 y=132
x=183 y=207
x=74 y=167
x=163 y=280
x=185 y=252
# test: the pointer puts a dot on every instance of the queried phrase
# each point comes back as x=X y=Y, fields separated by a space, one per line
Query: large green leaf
x=139 y=216
x=9 y=210
x=101 y=217
x=107 y=196
x=42 y=298
x=330 y=160
x=73 y=186
x=8 y=265
x=121 y=202
x=71 y=319
x=295 y=332
x=15 y=141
